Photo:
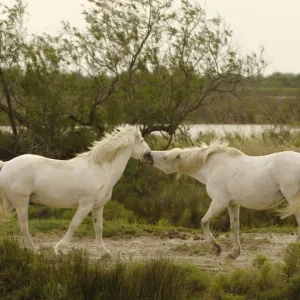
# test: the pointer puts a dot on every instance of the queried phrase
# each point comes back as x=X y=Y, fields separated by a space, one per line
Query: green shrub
x=259 y=261
x=266 y=277
x=24 y=275
x=291 y=258
x=291 y=290
x=198 y=281
x=237 y=282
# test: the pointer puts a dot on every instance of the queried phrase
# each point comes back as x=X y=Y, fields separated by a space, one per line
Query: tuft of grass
x=259 y=260
x=25 y=275
x=291 y=258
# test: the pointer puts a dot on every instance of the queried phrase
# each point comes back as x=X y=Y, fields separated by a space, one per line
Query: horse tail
x=4 y=216
x=290 y=209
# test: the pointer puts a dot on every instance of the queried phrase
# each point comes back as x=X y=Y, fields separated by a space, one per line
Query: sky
x=273 y=24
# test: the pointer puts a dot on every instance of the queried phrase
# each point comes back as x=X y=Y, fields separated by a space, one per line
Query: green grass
x=25 y=275
x=119 y=221
x=110 y=228
x=276 y=229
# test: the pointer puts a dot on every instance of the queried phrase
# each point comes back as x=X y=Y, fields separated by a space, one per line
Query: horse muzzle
x=148 y=157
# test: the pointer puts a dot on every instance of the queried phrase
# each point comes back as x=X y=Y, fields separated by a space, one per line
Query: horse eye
x=142 y=140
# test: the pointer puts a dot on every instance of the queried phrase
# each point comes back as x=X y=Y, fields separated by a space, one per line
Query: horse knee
x=204 y=223
x=234 y=228
x=98 y=227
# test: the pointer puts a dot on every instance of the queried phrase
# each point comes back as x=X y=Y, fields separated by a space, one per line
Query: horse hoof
x=233 y=254
x=32 y=248
x=216 y=249
x=104 y=254
x=60 y=250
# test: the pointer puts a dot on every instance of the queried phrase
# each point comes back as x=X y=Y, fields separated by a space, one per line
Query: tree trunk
x=9 y=105
x=10 y=111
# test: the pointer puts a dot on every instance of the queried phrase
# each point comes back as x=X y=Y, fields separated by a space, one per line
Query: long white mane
x=191 y=159
x=106 y=149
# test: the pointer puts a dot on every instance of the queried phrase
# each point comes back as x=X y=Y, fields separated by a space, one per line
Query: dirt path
x=183 y=248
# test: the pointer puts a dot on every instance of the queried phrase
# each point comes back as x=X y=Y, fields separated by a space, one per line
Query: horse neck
x=118 y=165
x=212 y=164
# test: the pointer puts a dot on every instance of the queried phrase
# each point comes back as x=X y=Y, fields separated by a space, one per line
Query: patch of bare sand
x=187 y=248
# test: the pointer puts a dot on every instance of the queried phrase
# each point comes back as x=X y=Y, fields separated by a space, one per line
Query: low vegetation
x=25 y=275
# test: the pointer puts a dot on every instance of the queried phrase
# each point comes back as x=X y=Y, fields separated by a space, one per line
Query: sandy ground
x=182 y=247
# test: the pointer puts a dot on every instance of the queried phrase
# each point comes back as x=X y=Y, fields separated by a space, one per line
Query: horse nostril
x=148 y=157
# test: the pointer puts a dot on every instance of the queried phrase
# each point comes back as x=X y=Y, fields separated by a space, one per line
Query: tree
x=38 y=91
x=142 y=62
x=120 y=37
x=163 y=62
x=12 y=35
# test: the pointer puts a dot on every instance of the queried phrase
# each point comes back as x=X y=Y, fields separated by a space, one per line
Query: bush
x=291 y=290
x=25 y=275
x=291 y=258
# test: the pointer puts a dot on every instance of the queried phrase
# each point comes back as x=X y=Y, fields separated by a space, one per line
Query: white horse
x=234 y=179
x=84 y=182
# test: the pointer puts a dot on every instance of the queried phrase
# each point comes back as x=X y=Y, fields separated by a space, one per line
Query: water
x=243 y=130
x=221 y=130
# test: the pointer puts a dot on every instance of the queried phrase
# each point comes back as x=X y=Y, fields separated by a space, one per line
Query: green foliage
x=238 y=282
x=291 y=290
x=25 y=275
x=64 y=146
x=280 y=80
x=292 y=259
x=259 y=261
x=198 y=281
x=116 y=70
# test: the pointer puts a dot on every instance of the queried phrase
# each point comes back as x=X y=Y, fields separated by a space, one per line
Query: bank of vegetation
x=24 y=275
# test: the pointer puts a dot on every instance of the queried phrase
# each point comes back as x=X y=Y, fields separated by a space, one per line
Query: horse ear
x=137 y=133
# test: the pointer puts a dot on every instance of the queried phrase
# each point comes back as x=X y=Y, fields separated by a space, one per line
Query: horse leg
x=234 y=214
x=297 y=215
x=214 y=209
x=293 y=198
x=97 y=214
x=7 y=208
x=22 y=212
x=81 y=213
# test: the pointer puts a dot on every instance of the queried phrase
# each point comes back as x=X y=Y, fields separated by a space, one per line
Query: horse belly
x=260 y=201
x=260 y=192
x=63 y=194
x=49 y=200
